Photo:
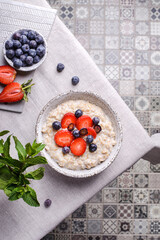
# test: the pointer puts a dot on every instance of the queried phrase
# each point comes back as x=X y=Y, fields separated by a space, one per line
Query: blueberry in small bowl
x=25 y=49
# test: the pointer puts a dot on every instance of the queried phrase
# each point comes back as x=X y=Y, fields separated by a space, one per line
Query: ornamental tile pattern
x=123 y=39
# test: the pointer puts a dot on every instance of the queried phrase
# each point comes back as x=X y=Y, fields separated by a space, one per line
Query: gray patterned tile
x=96 y=42
x=142 y=88
x=109 y=226
x=112 y=28
x=64 y=226
x=155 y=103
x=140 y=211
x=125 y=226
x=111 y=57
x=141 y=196
x=94 y=211
x=129 y=101
x=80 y=212
x=142 y=58
x=81 y=27
x=154 y=211
x=79 y=226
x=140 y=226
x=125 y=211
x=109 y=195
x=125 y=196
x=155 y=227
x=109 y=211
x=142 y=103
x=82 y=12
x=94 y=226
x=97 y=12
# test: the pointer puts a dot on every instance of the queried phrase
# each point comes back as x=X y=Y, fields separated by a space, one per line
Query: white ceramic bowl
x=94 y=99
x=29 y=68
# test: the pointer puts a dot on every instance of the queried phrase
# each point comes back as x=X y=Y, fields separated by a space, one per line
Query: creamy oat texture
x=105 y=140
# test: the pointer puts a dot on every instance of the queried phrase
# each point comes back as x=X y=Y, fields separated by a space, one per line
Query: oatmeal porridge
x=104 y=140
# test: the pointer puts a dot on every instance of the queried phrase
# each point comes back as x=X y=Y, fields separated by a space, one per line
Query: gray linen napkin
x=19 y=221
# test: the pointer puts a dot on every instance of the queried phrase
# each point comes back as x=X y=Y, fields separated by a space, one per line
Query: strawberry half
x=63 y=138
x=78 y=146
x=7 y=74
x=15 y=92
x=92 y=132
x=84 y=122
x=67 y=119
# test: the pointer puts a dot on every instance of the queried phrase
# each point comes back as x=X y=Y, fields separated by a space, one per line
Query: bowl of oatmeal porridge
x=108 y=140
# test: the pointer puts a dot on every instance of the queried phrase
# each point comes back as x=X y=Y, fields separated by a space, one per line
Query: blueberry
x=60 y=67
x=39 y=39
x=65 y=150
x=95 y=120
x=71 y=126
x=17 y=44
x=31 y=35
x=25 y=48
x=13 y=59
x=24 y=64
x=9 y=44
x=33 y=44
x=97 y=128
x=47 y=203
x=83 y=131
x=24 y=32
x=32 y=52
x=24 y=39
x=36 y=59
x=17 y=63
x=89 y=139
x=78 y=113
x=16 y=36
x=92 y=147
x=29 y=60
x=10 y=53
x=56 y=125
x=75 y=80
x=40 y=51
x=18 y=52
x=76 y=133
x=23 y=58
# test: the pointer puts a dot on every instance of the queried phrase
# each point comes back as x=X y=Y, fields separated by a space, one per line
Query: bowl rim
x=30 y=68
x=74 y=173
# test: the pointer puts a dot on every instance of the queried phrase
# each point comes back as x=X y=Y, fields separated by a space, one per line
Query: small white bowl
x=29 y=68
x=96 y=100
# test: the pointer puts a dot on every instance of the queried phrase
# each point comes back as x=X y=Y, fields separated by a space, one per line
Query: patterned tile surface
x=123 y=38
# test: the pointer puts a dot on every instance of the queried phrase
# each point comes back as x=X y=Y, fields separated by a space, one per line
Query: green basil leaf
x=5 y=177
x=11 y=162
x=36 y=175
x=20 y=149
x=4 y=132
x=6 y=147
x=30 y=197
x=1 y=145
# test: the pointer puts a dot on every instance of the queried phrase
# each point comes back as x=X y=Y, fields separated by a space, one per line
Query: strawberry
x=7 y=74
x=84 y=122
x=78 y=146
x=92 y=132
x=63 y=138
x=67 y=119
x=15 y=92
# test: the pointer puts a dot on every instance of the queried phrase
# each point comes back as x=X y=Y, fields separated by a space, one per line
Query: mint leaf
x=30 y=151
x=9 y=189
x=20 y=149
x=5 y=177
x=36 y=160
x=11 y=162
x=30 y=197
x=16 y=193
x=1 y=145
x=6 y=147
x=23 y=180
x=36 y=175
x=37 y=147
x=4 y=132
